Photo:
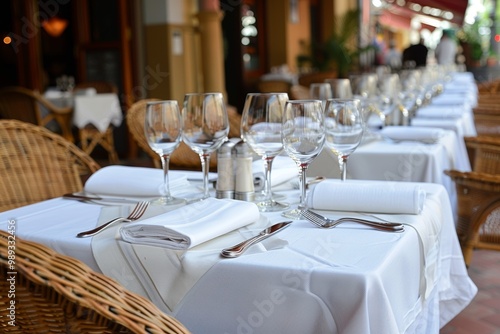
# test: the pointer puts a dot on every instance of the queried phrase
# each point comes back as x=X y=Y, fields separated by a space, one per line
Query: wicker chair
x=183 y=157
x=487 y=120
x=478 y=223
x=54 y=293
x=26 y=105
x=90 y=136
x=37 y=164
x=484 y=153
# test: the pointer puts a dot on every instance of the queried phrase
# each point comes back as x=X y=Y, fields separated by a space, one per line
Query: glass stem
x=165 y=160
x=205 y=166
x=343 y=167
x=303 y=176
x=268 y=164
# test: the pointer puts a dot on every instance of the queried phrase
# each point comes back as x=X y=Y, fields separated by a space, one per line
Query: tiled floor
x=482 y=316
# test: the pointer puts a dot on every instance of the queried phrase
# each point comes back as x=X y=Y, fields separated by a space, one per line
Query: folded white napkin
x=284 y=169
x=392 y=197
x=192 y=224
x=412 y=133
x=437 y=111
x=132 y=181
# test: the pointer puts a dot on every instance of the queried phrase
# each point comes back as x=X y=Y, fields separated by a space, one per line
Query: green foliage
x=340 y=51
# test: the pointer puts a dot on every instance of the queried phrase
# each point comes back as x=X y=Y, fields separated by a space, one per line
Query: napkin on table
x=132 y=181
x=412 y=133
x=192 y=224
x=392 y=197
x=283 y=169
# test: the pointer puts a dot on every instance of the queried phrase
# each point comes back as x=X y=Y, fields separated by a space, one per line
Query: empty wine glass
x=205 y=127
x=341 y=88
x=303 y=137
x=163 y=130
x=344 y=129
x=320 y=91
x=261 y=124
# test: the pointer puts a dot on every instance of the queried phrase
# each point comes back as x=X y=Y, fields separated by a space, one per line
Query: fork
x=325 y=222
x=136 y=213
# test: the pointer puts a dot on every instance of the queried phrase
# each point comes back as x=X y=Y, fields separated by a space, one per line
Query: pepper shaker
x=243 y=184
x=225 y=170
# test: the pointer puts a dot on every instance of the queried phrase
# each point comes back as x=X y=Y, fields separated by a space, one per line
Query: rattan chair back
x=183 y=157
x=37 y=164
x=484 y=153
x=26 y=105
x=46 y=292
x=478 y=225
x=487 y=120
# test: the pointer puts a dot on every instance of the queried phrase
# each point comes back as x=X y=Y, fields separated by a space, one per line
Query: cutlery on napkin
x=192 y=224
x=132 y=181
x=392 y=197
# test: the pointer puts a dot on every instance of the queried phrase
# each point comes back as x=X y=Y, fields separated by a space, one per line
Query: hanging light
x=55 y=26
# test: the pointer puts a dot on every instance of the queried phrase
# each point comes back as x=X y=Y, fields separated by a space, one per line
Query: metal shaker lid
x=226 y=148
x=242 y=149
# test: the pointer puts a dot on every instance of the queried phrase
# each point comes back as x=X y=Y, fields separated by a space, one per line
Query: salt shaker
x=225 y=170
x=243 y=184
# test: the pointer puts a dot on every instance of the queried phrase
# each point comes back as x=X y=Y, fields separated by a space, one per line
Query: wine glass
x=344 y=129
x=205 y=127
x=261 y=124
x=341 y=88
x=303 y=137
x=320 y=91
x=163 y=130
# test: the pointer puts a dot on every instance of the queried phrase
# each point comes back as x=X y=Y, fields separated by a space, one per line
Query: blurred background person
x=416 y=54
x=393 y=57
x=446 y=50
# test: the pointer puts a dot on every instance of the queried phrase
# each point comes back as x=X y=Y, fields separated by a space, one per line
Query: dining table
x=304 y=279
x=89 y=108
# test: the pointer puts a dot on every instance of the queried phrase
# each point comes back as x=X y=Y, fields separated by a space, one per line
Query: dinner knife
x=238 y=249
x=78 y=197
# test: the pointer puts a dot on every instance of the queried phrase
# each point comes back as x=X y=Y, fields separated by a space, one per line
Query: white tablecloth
x=350 y=279
x=100 y=110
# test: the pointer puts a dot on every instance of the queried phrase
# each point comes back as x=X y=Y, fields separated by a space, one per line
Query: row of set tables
x=419 y=152
x=349 y=279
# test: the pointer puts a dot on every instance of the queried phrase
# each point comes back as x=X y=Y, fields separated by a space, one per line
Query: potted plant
x=340 y=51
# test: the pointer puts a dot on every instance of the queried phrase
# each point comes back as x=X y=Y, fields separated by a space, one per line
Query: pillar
x=210 y=27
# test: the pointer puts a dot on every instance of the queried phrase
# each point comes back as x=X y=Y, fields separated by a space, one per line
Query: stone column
x=212 y=51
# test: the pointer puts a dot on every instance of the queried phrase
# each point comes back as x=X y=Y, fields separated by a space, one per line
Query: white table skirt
x=100 y=110
x=350 y=279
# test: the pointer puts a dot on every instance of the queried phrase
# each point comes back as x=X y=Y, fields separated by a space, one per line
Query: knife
x=238 y=249
x=98 y=198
